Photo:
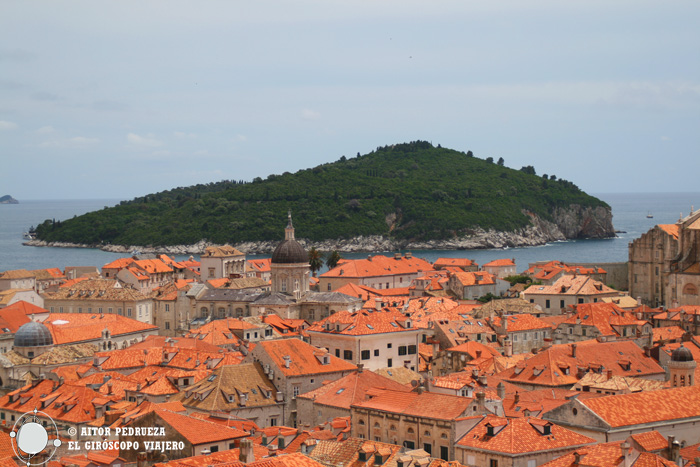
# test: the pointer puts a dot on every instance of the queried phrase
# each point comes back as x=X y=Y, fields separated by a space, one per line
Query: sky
x=114 y=100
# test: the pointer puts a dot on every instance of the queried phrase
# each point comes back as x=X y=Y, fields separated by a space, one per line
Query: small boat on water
x=650 y=215
x=29 y=236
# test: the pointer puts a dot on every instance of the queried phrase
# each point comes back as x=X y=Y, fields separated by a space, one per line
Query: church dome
x=290 y=251
x=33 y=334
x=682 y=354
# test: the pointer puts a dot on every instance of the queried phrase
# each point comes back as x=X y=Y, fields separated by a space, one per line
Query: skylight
x=340 y=390
x=369 y=326
x=211 y=378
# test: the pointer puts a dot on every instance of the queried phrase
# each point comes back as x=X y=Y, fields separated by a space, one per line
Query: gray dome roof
x=682 y=354
x=33 y=334
x=290 y=251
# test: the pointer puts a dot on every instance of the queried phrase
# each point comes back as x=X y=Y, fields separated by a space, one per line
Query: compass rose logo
x=30 y=440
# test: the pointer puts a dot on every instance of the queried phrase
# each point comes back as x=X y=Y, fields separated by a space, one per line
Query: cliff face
x=580 y=222
x=572 y=223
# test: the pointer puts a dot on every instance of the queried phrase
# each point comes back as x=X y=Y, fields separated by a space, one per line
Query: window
x=128 y=312
x=493 y=463
x=109 y=310
x=347 y=354
x=337 y=353
x=214 y=448
x=273 y=421
x=284 y=285
x=329 y=287
x=388 y=346
x=119 y=311
x=365 y=355
x=561 y=303
x=295 y=391
x=387 y=285
x=411 y=349
x=580 y=300
x=167 y=325
x=80 y=309
x=444 y=453
x=211 y=272
x=427 y=447
x=376 y=352
x=402 y=350
x=546 y=303
x=389 y=363
x=656 y=271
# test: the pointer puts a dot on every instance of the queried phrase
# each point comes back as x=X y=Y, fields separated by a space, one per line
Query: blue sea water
x=629 y=215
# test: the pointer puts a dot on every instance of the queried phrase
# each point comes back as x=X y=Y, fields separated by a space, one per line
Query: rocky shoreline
x=575 y=222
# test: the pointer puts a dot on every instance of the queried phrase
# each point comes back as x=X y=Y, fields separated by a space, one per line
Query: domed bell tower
x=682 y=367
x=289 y=267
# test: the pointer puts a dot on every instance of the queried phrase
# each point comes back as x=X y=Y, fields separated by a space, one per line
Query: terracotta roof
x=350 y=389
x=668 y=333
x=363 y=322
x=651 y=440
x=400 y=374
x=608 y=455
x=467 y=279
x=571 y=285
x=426 y=405
x=221 y=252
x=231 y=387
x=671 y=229
x=474 y=349
x=521 y=322
x=198 y=431
x=500 y=262
x=305 y=359
x=260 y=265
x=48 y=274
x=16 y=274
x=15 y=315
x=454 y=262
x=647 y=406
x=79 y=327
x=177 y=342
x=67 y=402
x=513 y=436
x=96 y=290
x=377 y=266
x=603 y=316
x=550 y=366
x=603 y=382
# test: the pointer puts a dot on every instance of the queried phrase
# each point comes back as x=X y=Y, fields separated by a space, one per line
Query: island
x=408 y=195
x=7 y=199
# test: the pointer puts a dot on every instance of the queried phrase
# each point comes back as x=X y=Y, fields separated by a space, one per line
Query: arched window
x=361 y=422
x=690 y=289
x=392 y=428
x=410 y=431
x=376 y=425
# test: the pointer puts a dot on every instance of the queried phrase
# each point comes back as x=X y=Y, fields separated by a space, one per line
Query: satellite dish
x=415 y=383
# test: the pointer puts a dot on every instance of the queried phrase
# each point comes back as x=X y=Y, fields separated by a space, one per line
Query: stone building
x=222 y=261
x=664 y=264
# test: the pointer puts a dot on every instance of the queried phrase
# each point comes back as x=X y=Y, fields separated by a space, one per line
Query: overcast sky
x=125 y=98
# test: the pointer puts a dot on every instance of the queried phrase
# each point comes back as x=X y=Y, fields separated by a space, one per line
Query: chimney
x=508 y=344
x=360 y=367
x=501 y=390
x=647 y=351
x=610 y=374
x=577 y=458
x=287 y=361
x=676 y=452
x=516 y=398
x=246 y=451
x=625 y=447
x=483 y=381
x=481 y=402
x=478 y=354
x=141 y=459
x=573 y=350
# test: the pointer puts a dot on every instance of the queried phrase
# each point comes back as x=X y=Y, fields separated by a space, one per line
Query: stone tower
x=289 y=267
x=682 y=367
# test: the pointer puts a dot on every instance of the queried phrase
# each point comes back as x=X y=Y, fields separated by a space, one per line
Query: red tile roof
x=426 y=405
x=69 y=328
x=608 y=455
x=198 y=431
x=520 y=436
x=603 y=316
x=305 y=359
x=671 y=229
x=647 y=407
x=550 y=366
x=454 y=262
x=651 y=440
x=500 y=262
x=377 y=266
x=571 y=285
x=363 y=322
x=350 y=389
x=520 y=322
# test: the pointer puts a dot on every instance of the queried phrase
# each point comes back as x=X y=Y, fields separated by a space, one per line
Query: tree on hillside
x=315 y=260
x=500 y=161
x=333 y=259
x=489 y=160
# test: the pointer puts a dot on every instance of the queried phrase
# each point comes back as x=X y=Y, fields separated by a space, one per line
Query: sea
x=630 y=218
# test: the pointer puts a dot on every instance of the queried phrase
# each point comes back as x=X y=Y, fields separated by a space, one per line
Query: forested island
x=7 y=199
x=410 y=195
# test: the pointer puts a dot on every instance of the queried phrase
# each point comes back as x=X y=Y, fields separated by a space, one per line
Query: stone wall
x=617 y=273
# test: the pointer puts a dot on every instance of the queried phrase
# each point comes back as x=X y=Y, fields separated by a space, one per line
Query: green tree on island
x=315 y=260
x=333 y=259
